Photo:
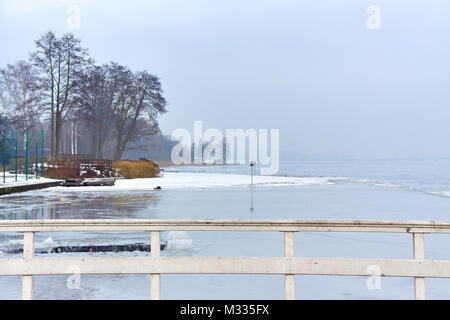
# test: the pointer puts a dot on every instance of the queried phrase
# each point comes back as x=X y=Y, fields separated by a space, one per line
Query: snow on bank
x=177 y=180
x=440 y=193
x=10 y=181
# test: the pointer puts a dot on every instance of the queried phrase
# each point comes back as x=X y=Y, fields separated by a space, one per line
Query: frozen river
x=212 y=195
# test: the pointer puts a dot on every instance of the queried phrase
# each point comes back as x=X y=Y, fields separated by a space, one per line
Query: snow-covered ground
x=10 y=180
x=176 y=180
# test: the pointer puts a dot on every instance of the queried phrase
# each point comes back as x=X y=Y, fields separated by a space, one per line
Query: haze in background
x=313 y=69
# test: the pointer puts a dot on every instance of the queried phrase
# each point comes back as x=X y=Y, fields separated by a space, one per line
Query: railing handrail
x=64 y=225
x=289 y=265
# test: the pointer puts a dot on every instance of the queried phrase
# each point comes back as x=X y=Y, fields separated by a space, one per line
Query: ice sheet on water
x=440 y=193
x=15 y=244
x=179 y=241
x=176 y=180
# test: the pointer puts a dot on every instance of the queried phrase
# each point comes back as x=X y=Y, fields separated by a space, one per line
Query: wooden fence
x=289 y=265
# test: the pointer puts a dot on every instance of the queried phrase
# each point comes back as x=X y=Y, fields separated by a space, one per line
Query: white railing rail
x=289 y=265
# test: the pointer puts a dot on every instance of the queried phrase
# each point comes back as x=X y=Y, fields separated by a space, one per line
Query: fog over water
x=334 y=87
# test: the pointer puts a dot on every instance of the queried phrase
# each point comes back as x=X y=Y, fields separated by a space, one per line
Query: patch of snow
x=47 y=244
x=10 y=181
x=178 y=241
x=176 y=180
x=440 y=193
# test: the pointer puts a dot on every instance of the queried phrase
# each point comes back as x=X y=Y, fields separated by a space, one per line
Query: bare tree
x=97 y=91
x=61 y=63
x=4 y=125
x=19 y=95
x=138 y=103
x=108 y=101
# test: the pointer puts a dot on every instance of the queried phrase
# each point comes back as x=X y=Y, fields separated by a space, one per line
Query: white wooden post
x=155 y=278
x=419 y=254
x=289 y=279
x=28 y=252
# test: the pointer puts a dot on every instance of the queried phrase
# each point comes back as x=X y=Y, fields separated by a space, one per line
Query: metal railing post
x=155 y=278
x=289 y=279
x=28 y=253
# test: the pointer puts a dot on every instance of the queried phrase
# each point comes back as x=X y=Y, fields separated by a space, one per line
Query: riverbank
x=23 y=186
x=165 y=164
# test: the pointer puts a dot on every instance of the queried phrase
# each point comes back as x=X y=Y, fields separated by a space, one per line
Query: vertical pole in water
x=43 y=169
x=26 y=161
x=16 y=161
x=36 y=160
x=252 y=190
x=12 y=152
x=4 y=160
x=252 y=164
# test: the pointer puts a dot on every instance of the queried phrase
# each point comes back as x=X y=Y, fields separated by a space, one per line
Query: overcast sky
x=311 y=68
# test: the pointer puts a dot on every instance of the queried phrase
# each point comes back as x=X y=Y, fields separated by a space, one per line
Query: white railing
x=289 y=265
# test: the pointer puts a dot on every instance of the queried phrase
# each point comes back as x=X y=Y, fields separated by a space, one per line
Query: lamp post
x=252 y=164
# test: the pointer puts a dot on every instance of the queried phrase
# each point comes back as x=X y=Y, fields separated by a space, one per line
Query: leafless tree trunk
x=61 y=62
x=140 y=102
x=19 y=95
x=76 y=138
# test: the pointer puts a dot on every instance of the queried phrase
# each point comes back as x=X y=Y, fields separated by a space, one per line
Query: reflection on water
x=336 y=201
x=32 y=214
x=83 y=205
x=54 y=204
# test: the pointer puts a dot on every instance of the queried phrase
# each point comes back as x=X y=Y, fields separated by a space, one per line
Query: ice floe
x=176 y=180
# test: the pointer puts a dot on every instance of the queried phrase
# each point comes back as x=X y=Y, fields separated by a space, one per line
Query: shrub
x=136 y=169
x=96 y=172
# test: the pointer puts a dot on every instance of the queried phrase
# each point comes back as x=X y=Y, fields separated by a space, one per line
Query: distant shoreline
x=165 y=164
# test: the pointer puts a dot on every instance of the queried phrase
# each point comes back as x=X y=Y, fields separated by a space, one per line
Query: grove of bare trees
x=62 y=89
x=19 y=96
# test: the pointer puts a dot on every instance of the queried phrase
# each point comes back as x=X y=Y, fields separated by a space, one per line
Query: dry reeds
x=136 y=169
